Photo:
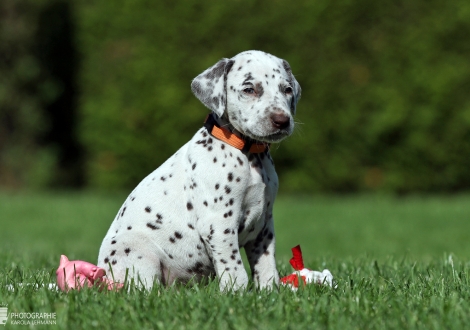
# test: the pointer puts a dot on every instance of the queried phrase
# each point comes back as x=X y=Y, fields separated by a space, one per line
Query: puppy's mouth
x=270 y=138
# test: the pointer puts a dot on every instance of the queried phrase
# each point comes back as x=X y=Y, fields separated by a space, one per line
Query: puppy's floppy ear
x=295 y=86
x=210 y=87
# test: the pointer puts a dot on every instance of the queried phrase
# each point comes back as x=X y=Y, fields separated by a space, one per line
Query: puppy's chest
x=242 y=187
x=259 y=197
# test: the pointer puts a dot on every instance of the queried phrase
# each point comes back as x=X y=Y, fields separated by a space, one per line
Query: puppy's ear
x=295 y=86
x=210 y=87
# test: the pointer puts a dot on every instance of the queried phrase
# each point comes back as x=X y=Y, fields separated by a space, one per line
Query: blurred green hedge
x=22 y=161
x=385 y=102
x=38 y=63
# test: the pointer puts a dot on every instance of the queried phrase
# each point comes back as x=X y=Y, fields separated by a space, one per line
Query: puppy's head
x=256 y=91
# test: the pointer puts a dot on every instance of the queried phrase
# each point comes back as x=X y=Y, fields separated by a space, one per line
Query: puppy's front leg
x=222 y=244
x=260 y=253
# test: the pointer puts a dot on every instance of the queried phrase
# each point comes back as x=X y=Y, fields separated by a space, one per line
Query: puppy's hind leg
x=142 y=268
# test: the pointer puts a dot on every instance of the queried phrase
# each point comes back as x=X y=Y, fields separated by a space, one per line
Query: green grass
x=399 y=263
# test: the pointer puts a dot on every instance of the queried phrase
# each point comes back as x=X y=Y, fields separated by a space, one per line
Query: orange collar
x=230 y=138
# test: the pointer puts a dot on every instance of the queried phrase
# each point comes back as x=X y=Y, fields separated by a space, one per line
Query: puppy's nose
x=280 y=120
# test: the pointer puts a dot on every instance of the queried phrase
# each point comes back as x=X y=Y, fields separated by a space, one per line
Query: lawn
x=399 y=263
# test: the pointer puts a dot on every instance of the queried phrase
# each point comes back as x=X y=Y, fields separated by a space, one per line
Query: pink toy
x=308 y=276
x=76 y=274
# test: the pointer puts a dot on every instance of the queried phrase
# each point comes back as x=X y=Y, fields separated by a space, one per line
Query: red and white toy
x=306 y=275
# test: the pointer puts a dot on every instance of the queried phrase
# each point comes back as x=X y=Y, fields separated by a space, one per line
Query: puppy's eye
x=288 y=90
x=249 y=91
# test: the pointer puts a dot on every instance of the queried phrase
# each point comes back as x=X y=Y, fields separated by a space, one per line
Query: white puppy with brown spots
x=190 y=217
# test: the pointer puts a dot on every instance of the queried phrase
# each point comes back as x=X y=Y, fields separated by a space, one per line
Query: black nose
x=280 y=120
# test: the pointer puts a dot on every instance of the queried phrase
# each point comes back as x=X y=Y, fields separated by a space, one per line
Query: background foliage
x=385 y=102
x=38 y=65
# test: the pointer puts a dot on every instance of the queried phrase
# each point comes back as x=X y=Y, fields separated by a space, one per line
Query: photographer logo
x=26 y=318
x=3 y=315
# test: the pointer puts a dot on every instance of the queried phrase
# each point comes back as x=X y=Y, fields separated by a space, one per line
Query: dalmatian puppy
x=189 y=219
